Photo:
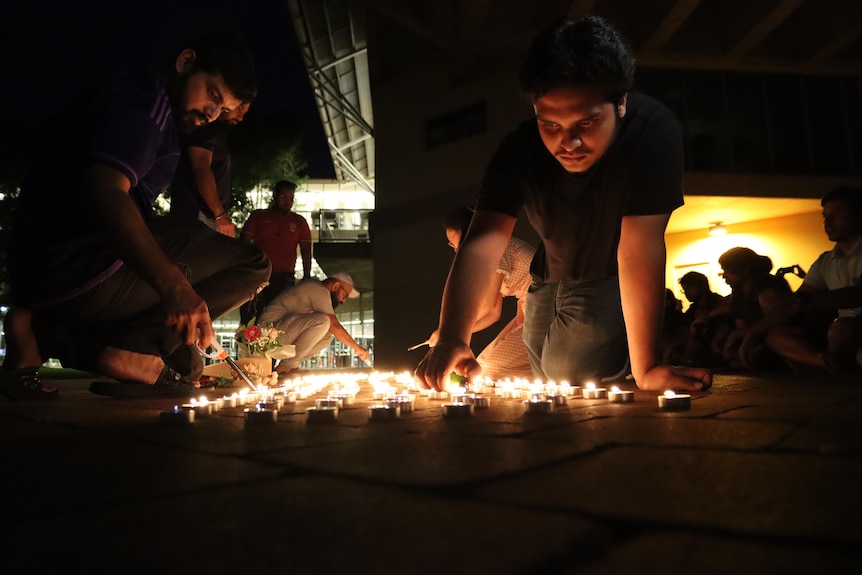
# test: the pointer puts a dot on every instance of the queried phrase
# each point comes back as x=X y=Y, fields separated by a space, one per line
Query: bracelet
x=220 y=216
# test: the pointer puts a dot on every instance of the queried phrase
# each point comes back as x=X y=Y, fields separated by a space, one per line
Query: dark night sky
x=49 y=49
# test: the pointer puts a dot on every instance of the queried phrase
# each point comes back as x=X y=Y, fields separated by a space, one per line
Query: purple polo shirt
x=56 y=250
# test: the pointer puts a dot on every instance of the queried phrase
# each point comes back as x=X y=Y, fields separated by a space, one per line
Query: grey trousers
x=574 y=330
x=125 y=312
x=308 y=332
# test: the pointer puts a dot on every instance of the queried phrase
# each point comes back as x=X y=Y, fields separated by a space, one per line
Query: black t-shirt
x=186 y=200
x=578 y=216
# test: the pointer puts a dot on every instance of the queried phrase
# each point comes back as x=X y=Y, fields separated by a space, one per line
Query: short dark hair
x=459 y=219
x=694 y=279
x=847 y=194
x=587 y=52
x=745 y=261
x=281 y=184
x=224 y=52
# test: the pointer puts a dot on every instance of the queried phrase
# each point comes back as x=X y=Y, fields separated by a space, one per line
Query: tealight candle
x=438 y=394
x=345 y=398
x=260 y=415
x=671 y=401
x=482 y=402
x=559 y=400
x=538 y=405
x=272 y=403
x=383 y=412
x=457 y=409
x=618 y=395
x=328 y=402
x=590 y=391
x=177 y=416
x=401 y=402
x=228 y=402
x=200 y=409
x=242 y=398
x=464 y=398
x=322 y=414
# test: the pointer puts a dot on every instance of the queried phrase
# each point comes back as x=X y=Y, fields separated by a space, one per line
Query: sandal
x=24 y=384
x=186 y=361
x=169 y=384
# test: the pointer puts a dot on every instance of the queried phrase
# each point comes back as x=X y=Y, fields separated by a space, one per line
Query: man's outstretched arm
x=641 y=257
x=472 y=272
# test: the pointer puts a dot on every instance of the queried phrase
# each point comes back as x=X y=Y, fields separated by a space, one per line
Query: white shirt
x=835 y=270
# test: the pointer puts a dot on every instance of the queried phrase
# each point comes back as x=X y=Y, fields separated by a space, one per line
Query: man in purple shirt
x=97 y=281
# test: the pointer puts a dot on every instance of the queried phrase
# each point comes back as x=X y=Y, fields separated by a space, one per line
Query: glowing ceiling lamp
x=717 y=229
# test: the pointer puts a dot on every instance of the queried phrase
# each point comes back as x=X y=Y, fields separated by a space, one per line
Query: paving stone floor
x=761 y=475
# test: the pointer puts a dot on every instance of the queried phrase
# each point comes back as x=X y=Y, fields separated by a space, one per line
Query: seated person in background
x=671 y=325
x=506 y=356
x=706 y=321
x=755 y=305
x=305 y=313
x=832 y=286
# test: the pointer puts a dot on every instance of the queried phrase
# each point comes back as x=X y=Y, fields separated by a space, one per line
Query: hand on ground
x=663 y=377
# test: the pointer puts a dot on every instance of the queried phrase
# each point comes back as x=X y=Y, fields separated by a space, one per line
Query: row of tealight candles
x=265 y=402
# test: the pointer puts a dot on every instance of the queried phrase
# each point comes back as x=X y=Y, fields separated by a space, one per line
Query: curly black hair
x=587 y=52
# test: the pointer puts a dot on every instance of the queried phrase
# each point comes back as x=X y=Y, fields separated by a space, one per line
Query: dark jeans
x=278 y=282
x=125 y=312
x=574 y=330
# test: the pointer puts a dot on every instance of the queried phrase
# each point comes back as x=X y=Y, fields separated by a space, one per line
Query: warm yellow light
x=717 y=229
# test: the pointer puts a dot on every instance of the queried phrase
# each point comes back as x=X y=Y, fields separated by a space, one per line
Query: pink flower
x=252 y=333
x=273 y=333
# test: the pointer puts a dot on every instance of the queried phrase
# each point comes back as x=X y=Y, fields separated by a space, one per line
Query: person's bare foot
x=129 y=365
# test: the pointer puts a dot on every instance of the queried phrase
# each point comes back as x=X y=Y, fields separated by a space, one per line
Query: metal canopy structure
x=331 y=34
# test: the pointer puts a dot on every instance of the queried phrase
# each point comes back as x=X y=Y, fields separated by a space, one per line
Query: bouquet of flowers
x=258 y=339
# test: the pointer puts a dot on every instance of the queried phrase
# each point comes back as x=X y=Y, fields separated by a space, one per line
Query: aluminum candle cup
x=260 y=415
x=322 y=414
x=384 y=412
x=228 y=402
x=401 y=402
x=200 y=409
x=328 y=402
x=177 y=416
x=438 y=395
x=482 y=402
x=537 y=405
x=457 y=409
x=619 y=396
x=590 y=391
x=345 y=398
x=671 y=401
x=559 y=400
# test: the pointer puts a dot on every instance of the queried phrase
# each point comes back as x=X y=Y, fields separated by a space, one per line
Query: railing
x=343 y=226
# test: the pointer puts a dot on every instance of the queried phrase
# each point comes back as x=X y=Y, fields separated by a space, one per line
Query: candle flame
x=615 y=389
x=669 y=393
x=591 y=385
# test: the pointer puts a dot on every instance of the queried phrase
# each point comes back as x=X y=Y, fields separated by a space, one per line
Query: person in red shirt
x=278 y=231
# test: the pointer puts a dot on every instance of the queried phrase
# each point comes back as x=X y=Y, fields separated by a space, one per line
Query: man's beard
x=185 y=119
x=334 y=298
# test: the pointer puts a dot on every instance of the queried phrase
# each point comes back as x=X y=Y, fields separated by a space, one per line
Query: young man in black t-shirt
x=598 y=171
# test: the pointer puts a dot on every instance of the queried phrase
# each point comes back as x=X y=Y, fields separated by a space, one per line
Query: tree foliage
x=16 y=148
x=264 y=149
